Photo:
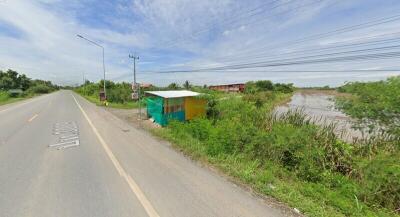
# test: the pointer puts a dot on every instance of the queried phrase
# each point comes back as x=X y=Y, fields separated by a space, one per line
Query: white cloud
x=170 y=34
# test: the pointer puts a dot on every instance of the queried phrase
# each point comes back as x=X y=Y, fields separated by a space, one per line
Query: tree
x=173 y=86
x=24 y=82
x=186 y=85
x=265 y=85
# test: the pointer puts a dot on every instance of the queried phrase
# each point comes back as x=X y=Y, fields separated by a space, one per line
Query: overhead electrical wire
x=356 y=55
x=290 y=62
x=213 y=26
x=316 y=50
x=176 y=42
x=234 y=16
x=351 y=28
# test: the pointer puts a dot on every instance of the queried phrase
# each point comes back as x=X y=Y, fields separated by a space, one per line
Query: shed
x=180 y=105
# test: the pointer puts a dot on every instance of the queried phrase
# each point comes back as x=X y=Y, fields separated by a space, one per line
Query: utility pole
x=136 y=86
x=83 y=84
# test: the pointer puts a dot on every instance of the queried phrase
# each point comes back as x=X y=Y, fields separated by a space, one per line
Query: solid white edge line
x=131 y=182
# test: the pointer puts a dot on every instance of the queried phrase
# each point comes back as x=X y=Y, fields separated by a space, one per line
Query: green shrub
x=4 y=96
x=374 y=104
x=381 y=181
x=323 y=167
x=40 y=89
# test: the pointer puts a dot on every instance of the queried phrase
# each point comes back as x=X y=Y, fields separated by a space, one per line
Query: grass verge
x=289 y=158
x=6 y=99
x=96 y=100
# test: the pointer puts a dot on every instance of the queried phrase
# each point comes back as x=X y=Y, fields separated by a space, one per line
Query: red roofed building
x=228 y=87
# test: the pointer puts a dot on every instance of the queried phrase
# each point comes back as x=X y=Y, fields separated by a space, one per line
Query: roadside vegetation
x=15 y=87
x=376 y=105
x=289 y=157
x=118 y=94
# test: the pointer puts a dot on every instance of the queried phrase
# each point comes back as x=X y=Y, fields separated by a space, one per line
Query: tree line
x=12 y=80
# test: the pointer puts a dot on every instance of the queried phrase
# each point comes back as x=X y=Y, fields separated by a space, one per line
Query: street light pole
x=104 y=66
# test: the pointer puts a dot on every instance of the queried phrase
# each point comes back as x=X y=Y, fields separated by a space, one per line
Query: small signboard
x=135 y=96
x=102 y=96
x=134 y=87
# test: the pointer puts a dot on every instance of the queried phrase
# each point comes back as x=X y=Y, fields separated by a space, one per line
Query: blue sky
x=38 y=38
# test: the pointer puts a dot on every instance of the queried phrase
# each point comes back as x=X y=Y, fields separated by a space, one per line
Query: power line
x=235 y=16
x=346 y=29
x=247 y=24
x=289 y=63
x=318 y=48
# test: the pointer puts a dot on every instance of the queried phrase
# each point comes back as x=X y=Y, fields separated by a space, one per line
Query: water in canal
x=321 y=108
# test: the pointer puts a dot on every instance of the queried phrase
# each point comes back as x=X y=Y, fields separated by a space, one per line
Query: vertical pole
x=134 y=71
x=104 y=81
x=137 y=87
x=83 y=84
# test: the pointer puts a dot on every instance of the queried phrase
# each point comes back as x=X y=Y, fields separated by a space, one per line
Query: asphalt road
x=116 y=170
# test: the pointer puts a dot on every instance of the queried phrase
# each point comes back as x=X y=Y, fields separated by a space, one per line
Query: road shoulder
x=123 y=120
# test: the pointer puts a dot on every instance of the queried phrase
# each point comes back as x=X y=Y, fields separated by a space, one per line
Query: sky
x=178 y=40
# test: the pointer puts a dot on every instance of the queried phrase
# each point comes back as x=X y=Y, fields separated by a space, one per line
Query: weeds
x=289 y=157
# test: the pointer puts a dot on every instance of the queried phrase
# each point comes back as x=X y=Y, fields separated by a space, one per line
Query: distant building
x=228 y=87
x=143 y=85
x=181 y=105
x=146 y=85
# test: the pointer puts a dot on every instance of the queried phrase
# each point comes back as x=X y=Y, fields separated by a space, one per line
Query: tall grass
x=4 y=96
x=289 y=157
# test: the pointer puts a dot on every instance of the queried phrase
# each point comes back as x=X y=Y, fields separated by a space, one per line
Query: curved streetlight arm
x=80 y=36
x=104 y=66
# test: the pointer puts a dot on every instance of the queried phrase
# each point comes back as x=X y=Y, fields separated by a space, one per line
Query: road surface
x=102 y=168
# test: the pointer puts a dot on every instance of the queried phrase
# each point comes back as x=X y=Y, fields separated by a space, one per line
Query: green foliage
x=381 y=182
x=187 y=85
x=266 y=85
x=11 y=80
x=4 y=96
x=118 y=94
x=174 y=86
x=374 y=104
x=284 y=88
x=40 y=89
x=310 y=167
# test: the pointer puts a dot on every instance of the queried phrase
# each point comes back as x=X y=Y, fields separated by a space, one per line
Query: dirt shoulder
x=132 y=118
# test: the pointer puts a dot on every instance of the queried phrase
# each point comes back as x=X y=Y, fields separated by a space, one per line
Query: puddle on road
x=321 y=108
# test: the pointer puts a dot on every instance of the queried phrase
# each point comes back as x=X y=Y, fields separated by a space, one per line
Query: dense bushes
x=40 y=89
x=4 y=96
x=11 y=80
x=118 y=94
x=290 y=148
x=381 y=182
x=375 y=104
x=265 y=85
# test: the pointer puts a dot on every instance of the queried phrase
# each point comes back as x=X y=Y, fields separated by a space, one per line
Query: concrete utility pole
x=136 y=86
x=104 y=66
x=134 y=57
